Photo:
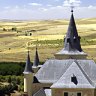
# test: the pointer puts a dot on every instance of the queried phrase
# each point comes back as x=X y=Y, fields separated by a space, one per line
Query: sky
x=46 y=9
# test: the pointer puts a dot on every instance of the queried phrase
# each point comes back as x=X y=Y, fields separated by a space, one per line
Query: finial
x=72 y=7
x=72 y=10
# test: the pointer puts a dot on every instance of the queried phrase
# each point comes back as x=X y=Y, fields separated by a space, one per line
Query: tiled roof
x=71 y=52
x=36 y=60
x=72 y=40
x=74 y=77
x=52 y=70
x=28 y=67
x=41 y=92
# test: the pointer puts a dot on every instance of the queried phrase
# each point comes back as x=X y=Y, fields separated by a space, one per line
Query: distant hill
x=47 y=34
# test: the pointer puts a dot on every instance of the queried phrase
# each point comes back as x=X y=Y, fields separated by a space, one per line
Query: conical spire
x=72 y=47
x=28 y=68
x=72 y=40
x=36 y=60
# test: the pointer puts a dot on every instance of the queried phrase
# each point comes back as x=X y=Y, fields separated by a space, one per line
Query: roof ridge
x=89 y=80
x=83 y=74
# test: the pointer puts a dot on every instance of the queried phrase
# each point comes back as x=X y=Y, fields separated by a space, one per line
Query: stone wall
x=84 y=92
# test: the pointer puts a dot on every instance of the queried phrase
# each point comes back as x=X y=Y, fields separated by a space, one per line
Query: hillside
x=16 y=36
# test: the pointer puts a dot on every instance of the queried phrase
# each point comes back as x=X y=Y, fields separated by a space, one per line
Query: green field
x=47 y=35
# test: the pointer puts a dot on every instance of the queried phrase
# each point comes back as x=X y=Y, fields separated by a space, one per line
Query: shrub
x=14 y=29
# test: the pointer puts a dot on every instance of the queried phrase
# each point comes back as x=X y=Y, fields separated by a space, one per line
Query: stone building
x=69 y=74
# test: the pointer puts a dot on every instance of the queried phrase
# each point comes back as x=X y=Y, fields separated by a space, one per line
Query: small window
x=65 y=93
x=68 y=40
x=74 y=79
x=78 y=94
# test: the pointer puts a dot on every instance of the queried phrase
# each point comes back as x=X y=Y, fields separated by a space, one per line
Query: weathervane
x=72 y=6
x=72 y=3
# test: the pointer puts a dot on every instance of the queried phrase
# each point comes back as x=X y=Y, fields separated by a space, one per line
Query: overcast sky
x=46 y=9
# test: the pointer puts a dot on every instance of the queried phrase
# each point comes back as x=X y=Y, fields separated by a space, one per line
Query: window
x=68 y=40
x=74 y=79
x=78 y=94
x=65 y=93
x=72 y=93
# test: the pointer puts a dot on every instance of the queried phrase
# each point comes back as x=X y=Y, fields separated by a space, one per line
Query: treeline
x=58 y=41
x=11 y=77
x=12 y=68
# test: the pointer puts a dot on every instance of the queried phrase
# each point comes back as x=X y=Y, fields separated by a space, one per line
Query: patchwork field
x=17 y=36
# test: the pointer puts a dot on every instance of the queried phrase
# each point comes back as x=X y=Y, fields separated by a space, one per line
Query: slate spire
x=72 y=48
x=28 y=67
x=36 y=60
x=72 y=40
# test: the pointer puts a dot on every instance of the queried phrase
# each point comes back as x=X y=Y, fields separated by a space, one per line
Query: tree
x=9 y=79
x=18 y=81
x=14 y=29
x=30 y=34
x=4 y=29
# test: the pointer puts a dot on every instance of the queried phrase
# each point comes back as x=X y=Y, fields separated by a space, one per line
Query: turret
x=28 y=77
x=72 y=47
x=35 y=66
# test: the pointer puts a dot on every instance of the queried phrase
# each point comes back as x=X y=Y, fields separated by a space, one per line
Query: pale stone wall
x=35 y=69
x=37 y=86
x=63 y=56
x=28 y=78
x=84 y=92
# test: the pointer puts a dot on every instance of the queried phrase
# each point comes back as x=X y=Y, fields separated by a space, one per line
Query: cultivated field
x=17 y=36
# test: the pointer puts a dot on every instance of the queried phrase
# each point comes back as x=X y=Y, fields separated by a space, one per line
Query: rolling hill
x=17 y=36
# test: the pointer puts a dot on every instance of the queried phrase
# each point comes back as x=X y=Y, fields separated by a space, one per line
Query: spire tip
x=72 y=11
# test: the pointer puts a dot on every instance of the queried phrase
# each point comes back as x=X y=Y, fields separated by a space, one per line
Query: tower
x=28 y=77
x=72 y=48
x=35 y=66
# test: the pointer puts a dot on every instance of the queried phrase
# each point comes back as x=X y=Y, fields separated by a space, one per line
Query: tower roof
x=72 y=47
x=53 y=69
x=28 y=68
x=74 y=77
x=36 y=60
x=72 y=40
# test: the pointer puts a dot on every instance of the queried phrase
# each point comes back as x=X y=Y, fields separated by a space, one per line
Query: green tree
x=14 y=29
x=9 y=79
x=4 y=29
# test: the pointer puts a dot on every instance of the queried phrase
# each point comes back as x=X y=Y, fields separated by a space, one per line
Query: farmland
x=17 y=36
